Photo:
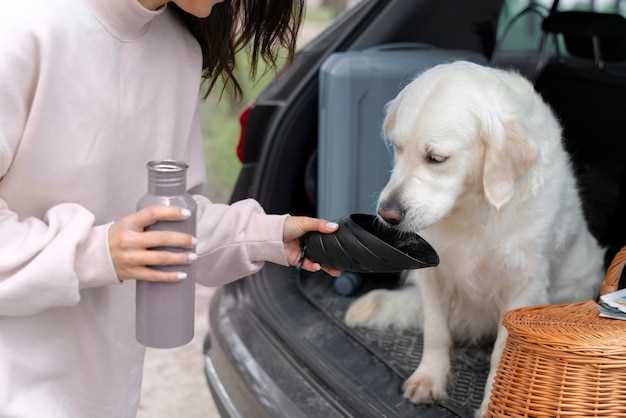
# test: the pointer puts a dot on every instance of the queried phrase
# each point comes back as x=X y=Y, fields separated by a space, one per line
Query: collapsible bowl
x=363 y=244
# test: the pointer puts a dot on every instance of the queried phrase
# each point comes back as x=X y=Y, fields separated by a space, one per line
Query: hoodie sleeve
x=43 y=262
x=235 y=241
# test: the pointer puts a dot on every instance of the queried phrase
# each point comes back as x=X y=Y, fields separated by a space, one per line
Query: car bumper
x=250 y=374
x=272 y=353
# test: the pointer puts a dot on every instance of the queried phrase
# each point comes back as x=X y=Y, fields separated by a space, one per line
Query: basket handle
x=614 y=272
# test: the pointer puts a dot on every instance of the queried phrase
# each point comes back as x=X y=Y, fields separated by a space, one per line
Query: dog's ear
x=391 y=109
x=508 y=156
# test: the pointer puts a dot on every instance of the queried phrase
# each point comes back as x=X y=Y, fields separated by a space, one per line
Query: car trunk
x=362 y=369
x=345 y=372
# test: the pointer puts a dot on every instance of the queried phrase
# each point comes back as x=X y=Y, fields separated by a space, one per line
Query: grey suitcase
x=353 y=160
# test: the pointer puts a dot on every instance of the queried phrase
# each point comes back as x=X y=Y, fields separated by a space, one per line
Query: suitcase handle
x=401 y=46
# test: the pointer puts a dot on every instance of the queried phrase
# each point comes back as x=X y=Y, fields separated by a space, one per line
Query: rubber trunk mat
x=402 y=350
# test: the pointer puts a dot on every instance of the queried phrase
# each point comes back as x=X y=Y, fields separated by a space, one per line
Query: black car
x=278 y=346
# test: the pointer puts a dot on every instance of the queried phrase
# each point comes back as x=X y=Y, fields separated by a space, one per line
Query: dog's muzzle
x=391 y=211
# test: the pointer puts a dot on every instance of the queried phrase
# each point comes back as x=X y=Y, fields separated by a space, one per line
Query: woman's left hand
x=295 y=228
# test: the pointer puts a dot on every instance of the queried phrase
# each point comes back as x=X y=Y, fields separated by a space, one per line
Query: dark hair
x=263 y=25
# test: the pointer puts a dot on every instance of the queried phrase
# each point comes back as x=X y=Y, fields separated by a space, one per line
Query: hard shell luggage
x=353 y=160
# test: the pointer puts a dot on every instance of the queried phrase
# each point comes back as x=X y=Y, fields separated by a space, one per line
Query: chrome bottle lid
x=167 y=177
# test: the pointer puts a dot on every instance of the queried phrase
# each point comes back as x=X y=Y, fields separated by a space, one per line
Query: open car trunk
x=279 y=347
x=360 y=371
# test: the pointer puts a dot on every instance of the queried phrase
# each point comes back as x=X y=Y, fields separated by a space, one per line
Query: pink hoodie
x=90 y=90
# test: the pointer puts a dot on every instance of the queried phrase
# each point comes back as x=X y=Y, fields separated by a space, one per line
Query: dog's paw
x=363 y=311
x=424 y=387
x=381 y=309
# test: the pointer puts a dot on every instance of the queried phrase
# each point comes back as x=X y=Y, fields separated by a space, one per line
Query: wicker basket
x=563 y=360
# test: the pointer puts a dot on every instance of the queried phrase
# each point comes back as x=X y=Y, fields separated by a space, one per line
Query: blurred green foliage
x=220 y=112
x=220 y=116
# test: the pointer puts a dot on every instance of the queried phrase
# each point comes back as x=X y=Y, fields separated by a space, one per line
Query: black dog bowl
x=364 y=244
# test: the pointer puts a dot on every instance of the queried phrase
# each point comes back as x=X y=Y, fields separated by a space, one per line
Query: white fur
x=502 y=211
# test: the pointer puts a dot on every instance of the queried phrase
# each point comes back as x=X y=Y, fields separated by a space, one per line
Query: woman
x=90 y=90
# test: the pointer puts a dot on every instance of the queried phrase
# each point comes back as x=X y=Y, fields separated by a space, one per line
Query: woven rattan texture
x=563 y=361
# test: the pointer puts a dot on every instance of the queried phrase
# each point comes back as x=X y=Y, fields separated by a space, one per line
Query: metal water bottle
x=165 y=311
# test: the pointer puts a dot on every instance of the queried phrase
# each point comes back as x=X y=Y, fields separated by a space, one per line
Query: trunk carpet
x=401 y=351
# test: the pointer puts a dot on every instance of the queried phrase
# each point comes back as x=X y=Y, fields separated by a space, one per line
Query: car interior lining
x=305 y=311
x=588 y=101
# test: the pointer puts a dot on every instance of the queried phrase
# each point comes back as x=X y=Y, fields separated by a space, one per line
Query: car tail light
x=243 y=123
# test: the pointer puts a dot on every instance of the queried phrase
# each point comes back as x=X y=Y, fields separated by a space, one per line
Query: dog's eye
x=435 y=158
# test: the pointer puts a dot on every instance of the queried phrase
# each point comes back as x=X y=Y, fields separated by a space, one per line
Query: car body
x=278 y=347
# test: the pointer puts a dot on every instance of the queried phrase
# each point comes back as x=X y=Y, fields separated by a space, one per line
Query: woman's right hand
x=130 y=246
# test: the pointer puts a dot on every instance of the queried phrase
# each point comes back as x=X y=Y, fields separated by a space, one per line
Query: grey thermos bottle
x=165 y=311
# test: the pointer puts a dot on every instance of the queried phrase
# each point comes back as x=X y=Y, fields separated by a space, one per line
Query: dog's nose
x=391 y=212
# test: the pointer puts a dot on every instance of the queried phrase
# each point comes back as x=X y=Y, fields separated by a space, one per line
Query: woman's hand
x=130 y=245
x=295 y=228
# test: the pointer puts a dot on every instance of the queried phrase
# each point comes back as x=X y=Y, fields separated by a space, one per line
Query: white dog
x=481 y=173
